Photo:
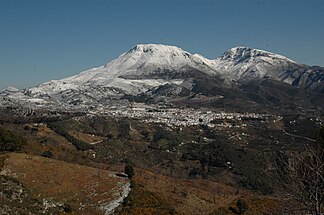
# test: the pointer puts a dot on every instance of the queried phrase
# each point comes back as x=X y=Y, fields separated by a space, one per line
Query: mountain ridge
x=146 y=67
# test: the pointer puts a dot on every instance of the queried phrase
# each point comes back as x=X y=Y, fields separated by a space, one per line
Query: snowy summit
x=147 y=67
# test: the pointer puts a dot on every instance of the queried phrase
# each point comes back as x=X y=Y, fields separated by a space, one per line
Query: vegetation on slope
x=59 y=128
x=10 y=141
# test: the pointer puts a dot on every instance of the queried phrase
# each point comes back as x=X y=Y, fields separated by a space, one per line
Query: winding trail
x=298 y=136
x=94 y=143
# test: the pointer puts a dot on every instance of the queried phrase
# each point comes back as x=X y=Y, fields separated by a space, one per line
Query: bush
x=129 y=169
x=320 y=138
x=9 y=141
x=79 y=144
x=241 y=206
x=123 y=129
x=67 y=208
x=47 y=154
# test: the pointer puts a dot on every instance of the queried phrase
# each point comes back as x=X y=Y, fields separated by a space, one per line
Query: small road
x=298 y=136
x=94 y=143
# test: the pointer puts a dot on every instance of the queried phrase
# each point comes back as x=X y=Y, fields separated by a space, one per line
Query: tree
x=301 y=178
x=129 y=169
x=320 y=138
x=47 y=154
x=10 y=141
x=241 y=207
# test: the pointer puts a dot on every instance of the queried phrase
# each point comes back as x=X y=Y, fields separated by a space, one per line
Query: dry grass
x=40 y=138
x=84 y=188
x=88 y=138
x=257 y=205
x=142 y=202
x=197 y=196
x=191 y=196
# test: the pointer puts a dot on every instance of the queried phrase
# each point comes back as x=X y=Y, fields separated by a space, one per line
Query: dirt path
x=298 y=136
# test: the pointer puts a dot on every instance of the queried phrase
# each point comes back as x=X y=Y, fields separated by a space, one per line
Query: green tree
x=241 y=206
x=129 y=169
x=320 y=138
x=10 y=141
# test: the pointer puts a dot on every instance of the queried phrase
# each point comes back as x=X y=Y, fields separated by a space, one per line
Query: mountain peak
x=10 y=89
x=155 y=48
x=147 y=67
x=242 y=54
x=143 y=55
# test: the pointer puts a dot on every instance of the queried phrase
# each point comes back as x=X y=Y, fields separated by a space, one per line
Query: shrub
x=241 y=206
x=47 y=154
x=79 y=144
x=9 y=141
x=67 y=208
x=129 y=169
x=320 y=138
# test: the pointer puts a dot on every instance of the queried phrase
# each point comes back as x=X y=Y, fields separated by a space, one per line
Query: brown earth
x=86 y=190
x=88 y=138
x=189 y=196
x=158 y=194
x=82 y=187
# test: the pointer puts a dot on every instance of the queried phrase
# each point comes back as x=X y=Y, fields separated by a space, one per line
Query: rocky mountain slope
x=243 y=63
x=161 y=70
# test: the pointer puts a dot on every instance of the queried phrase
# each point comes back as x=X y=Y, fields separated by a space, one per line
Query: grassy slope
x=83 y=188
x=186 y=196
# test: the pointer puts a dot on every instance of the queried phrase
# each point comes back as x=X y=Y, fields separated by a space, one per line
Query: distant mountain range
x=152 y=72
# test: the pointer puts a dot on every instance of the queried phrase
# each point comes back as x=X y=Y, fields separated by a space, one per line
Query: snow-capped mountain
x=148 y=68
x=132 y=72
x=242 y=63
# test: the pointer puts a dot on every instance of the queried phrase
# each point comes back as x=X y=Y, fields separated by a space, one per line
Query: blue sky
x=42 y=40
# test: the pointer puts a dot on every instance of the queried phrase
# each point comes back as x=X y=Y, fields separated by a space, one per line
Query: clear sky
x=42 y=40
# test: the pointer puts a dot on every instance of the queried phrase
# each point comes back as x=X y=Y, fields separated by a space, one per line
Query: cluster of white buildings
x=182 y=117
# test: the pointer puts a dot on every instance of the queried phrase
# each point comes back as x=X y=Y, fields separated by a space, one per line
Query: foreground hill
x=178 y=169
x=58 y=186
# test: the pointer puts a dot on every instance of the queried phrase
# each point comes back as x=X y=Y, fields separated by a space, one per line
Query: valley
x=187 y=167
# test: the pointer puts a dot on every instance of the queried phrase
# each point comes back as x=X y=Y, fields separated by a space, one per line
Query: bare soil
x=87 y=190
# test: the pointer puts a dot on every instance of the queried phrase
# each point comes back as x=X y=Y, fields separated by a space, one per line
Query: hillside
x=61 y=186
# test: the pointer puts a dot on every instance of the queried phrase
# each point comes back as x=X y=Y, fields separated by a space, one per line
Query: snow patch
x=147 y=66
x=111 y=206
